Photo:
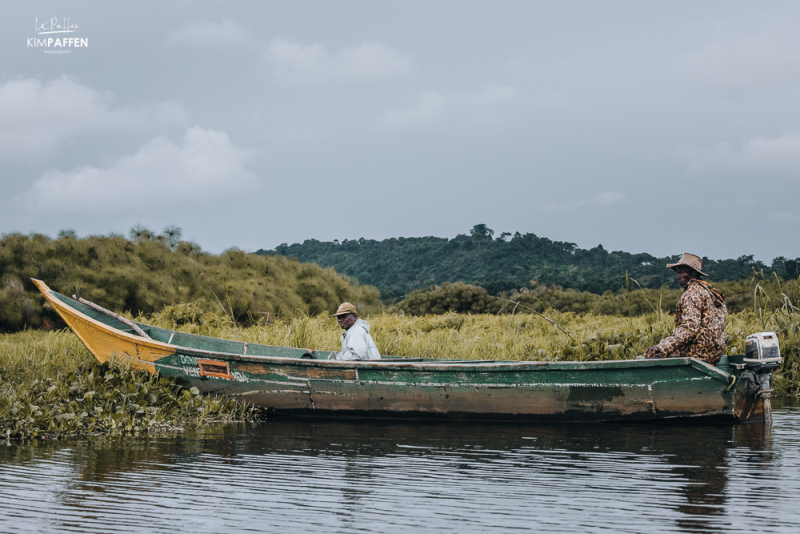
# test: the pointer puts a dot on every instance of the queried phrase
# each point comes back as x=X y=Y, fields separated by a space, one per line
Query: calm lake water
x=322 y=476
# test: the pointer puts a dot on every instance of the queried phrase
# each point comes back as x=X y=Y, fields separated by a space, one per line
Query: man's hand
x=653 y=352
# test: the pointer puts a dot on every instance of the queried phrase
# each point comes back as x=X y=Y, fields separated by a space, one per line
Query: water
x=306 y=476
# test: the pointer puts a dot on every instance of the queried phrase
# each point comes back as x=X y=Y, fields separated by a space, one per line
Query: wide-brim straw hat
x=346 y=308
x=691 y=261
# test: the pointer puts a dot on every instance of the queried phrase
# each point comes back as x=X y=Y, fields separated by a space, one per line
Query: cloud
x=492 y=103
x=751 y=64
x=601 y=199
x=785 y=216
x=209 y=33
x=775 y=155
x=370 y=61
x=36 y=118
x=521 y=67
x=162 y=173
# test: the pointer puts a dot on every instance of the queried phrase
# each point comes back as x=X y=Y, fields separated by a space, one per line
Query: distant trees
x=146 y=272
x=173 y=235
x=67 y=232
x=481 y=232
x=398 y=266
x=139 y=233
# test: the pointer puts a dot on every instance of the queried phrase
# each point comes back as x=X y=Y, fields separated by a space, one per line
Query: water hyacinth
x=66 y=392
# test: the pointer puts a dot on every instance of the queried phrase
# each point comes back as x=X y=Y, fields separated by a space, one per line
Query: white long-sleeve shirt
x=357 y=344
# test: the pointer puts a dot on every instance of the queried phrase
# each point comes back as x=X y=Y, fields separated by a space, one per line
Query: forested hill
x=398 y=266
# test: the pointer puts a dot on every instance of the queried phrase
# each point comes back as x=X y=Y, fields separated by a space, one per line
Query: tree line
x=147 y=272
x=507 y=262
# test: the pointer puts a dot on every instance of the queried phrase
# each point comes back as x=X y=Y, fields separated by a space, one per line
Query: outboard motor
x=762 y=348
x=762 y=355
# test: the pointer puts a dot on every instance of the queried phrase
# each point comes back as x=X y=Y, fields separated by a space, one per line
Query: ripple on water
x=344 y=476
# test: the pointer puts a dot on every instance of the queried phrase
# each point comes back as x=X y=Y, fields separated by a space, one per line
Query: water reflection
x=388 y=476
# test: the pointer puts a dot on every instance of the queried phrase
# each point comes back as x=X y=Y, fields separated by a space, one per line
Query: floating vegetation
x=51 y=387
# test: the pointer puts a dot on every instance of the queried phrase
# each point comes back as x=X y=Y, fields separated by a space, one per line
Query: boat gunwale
x=439 y=365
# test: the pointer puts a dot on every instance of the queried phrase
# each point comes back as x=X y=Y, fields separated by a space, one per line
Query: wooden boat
x=309 y=382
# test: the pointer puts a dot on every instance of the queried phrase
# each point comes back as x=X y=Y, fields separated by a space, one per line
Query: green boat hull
x=559 y=391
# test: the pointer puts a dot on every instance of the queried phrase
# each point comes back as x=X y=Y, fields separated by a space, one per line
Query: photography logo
x=54 y=35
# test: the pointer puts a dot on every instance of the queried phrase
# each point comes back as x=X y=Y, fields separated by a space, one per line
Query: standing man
x=699 y=317
x=357 y=344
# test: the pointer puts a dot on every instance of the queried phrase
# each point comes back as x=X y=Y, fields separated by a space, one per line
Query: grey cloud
x=203 y=166
x=778 y=155
x=36 y=118
x=210 y=33
x=755 y=63
x=603 y=198
x=384 y=108
x=491 y=103
x=785 y=216
x=370 y=61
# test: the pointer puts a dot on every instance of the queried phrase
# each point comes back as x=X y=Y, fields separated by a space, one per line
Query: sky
x=659 y=127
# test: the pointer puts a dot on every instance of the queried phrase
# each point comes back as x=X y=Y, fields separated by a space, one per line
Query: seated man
x=699 y=317
x=357 y=344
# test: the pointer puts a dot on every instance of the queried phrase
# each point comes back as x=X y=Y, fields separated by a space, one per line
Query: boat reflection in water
x=321 y=475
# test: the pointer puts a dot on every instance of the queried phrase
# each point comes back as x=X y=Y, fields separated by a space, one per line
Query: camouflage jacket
x=699 y=322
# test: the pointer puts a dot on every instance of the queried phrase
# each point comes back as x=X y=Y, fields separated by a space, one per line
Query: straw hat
x=691 y=261
x=346 y=308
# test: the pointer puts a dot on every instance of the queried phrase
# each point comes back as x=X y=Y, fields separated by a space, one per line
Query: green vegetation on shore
x=148 y=272
x=507 y=262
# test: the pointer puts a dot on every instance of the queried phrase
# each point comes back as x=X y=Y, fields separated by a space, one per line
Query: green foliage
x=50 y=387
x=149 y=272
x=630 y=301
x=398 y=266
x=458 y=297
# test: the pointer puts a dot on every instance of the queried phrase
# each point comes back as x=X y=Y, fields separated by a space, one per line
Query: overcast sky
x=658 y=127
